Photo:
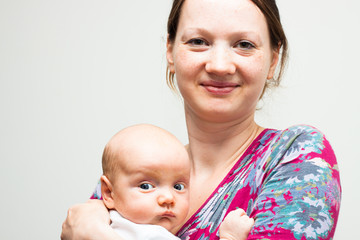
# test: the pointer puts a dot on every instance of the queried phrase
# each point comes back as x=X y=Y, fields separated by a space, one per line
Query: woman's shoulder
x=301 y=142
x=303 y=129
x=300 y=129
x=297 y=141
x=296 y=134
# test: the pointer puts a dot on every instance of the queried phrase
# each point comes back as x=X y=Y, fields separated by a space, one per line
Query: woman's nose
x=220 y=61
x=166 y=198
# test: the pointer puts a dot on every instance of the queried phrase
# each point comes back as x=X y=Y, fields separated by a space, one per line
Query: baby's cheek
x=134 y=206
x=140 y=214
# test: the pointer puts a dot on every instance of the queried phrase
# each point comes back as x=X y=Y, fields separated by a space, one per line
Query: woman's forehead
x=235 y=15
x=213 y=8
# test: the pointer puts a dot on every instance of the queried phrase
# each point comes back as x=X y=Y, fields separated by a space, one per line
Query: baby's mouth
x=168 y=214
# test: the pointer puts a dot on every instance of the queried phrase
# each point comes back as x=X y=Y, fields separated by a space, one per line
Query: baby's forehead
x=147 y=147
x=154 y=162
x=156 y=171
x=156 y=145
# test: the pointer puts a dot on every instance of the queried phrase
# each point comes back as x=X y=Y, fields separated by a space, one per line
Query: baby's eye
x=197 y=42
x=244 y=45
x=146 y=186
x=179 y=186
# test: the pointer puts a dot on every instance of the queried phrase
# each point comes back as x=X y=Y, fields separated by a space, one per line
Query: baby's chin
x=169 y=224
x=175 y=229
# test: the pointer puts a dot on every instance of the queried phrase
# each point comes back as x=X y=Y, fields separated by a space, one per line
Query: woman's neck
x=214 y=148
x=215 y=145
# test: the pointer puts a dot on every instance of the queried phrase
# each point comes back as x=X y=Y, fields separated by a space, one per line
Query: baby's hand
x=236 y=226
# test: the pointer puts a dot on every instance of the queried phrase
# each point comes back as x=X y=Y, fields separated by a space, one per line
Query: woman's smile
x=219 y=88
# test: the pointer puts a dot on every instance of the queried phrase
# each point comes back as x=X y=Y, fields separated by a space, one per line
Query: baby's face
x=152 y=187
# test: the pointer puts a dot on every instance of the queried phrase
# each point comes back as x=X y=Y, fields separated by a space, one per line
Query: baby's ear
x=106 y=190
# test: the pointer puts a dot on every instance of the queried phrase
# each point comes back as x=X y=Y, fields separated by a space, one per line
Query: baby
x=145 y=184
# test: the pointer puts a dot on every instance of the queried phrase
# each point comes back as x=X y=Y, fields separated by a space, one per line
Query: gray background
x=74 y=72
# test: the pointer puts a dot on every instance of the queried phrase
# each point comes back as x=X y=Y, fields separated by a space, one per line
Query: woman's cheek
x=254 y=70
x=187 y=63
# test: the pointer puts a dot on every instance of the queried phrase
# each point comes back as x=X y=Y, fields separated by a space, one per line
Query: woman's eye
x=146 y=186
x=245 y=45
x=179 y=186
x=197 y=42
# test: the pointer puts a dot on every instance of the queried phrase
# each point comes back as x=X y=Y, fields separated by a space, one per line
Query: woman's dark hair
x=277 y=35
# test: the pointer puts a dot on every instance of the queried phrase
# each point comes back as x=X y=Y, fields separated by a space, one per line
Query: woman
x=225 y=55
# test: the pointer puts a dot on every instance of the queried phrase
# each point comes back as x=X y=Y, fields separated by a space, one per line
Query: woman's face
x=222 y=57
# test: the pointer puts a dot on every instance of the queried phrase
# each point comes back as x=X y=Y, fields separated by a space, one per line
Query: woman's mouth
x=219 y=88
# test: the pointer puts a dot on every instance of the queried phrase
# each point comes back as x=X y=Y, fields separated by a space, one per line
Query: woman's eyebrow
x=239 y=32
x=191 y=31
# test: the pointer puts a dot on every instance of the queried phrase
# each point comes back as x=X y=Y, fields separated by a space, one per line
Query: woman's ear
x=274 y=62
x=169 y=55
x=106 y=192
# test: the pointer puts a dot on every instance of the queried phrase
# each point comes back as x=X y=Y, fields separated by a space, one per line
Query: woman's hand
x=88 y=220
x=236 y=225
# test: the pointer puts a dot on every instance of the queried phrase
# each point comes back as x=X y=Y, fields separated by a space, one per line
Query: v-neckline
x=189 y=222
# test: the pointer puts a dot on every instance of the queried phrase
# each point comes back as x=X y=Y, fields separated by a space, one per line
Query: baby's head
x=146 y=176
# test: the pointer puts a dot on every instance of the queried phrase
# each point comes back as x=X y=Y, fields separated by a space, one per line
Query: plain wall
x=74 y=72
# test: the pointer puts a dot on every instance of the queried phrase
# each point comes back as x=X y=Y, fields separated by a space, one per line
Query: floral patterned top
x=288 y=181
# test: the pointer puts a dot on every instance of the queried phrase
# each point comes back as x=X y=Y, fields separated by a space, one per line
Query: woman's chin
x=219 y=113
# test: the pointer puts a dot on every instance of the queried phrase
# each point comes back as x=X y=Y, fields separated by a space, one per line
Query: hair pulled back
x=277 y=35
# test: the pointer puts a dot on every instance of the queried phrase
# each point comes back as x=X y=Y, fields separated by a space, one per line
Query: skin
x=236 y=226
x=151 y=185
x=221 y=57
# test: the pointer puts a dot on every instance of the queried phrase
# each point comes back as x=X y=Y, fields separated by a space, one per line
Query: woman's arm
x=88 y=221
x=300 y=194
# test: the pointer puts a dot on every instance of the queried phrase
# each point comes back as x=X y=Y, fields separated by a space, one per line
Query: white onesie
x=133 y=231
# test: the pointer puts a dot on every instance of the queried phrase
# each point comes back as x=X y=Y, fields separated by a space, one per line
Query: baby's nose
x=166 y=198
